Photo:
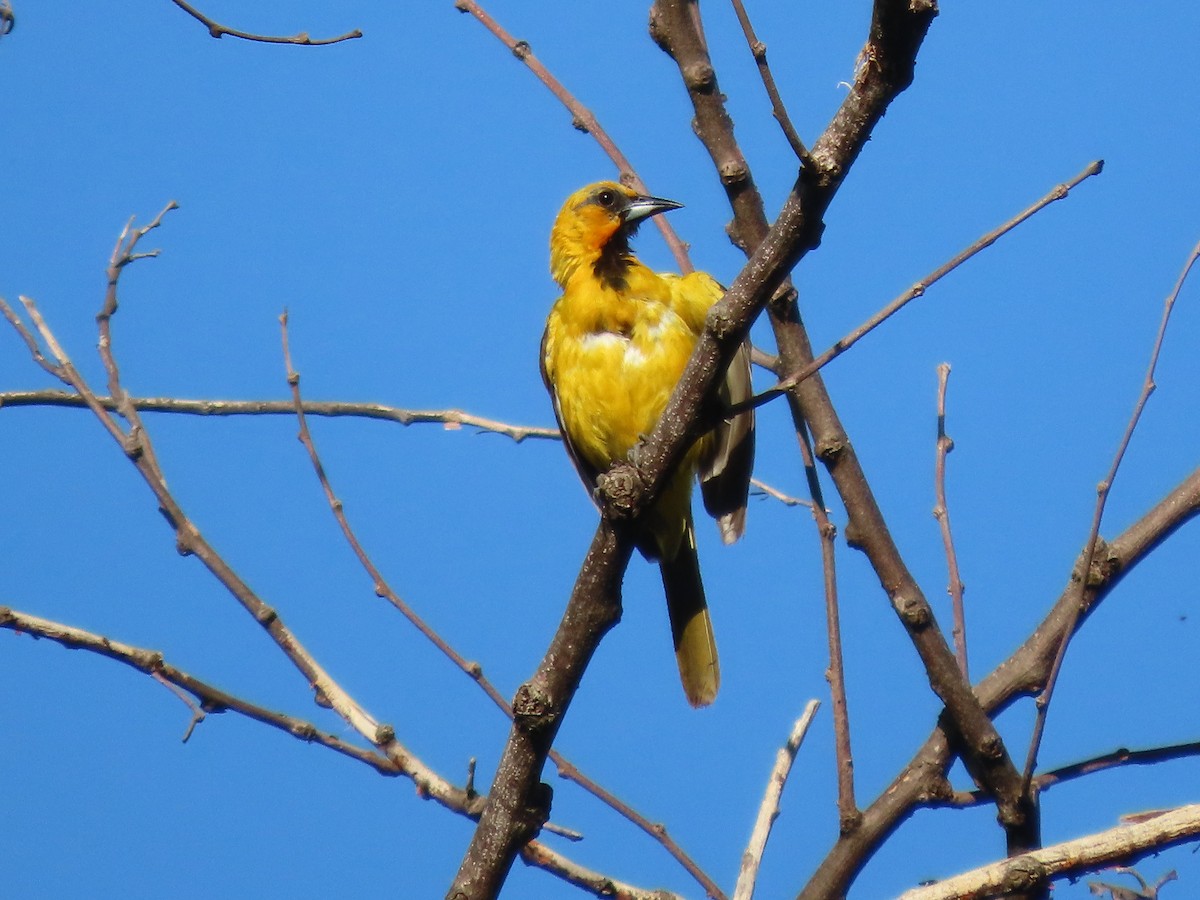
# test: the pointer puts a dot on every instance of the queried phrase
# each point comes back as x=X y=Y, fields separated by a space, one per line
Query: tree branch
x=211 y=699
x=759 y=51
x=897 y=31
x=1124 y=844
x=582 y=118
x=217 y=30
x=471 y=669
x=518 y=803
x=452 y=419
x=768 y=810
x=1102 y=490
x=923 y=781
x=941 y=512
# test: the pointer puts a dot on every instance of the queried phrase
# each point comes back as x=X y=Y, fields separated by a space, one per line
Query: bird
x=616 y=343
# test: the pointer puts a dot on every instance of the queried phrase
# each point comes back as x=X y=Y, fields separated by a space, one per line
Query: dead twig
x=472 y=669
x=917 y=290
x=1123 y=844
x=1083 y=575
x=759 y=51
x=768 y=810
x=941 y=512
x=217 y=30
x=582 y=118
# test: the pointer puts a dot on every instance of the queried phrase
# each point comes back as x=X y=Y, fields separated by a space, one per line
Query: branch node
x=849 y=823
x=991 y=748
x=132 y=445
x=620 y=487
x=733 y=172
x=521 y=50
x=912 y=611
x=719 y=322
x=830 y=451
x=699 y=76
x=532 y=709
x=1026 y=873
x=265 y=615
x=384 y=734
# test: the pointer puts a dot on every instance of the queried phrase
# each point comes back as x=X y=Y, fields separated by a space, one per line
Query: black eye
x=607 y=199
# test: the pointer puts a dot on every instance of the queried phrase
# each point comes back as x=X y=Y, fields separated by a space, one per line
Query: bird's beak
x=644 y=207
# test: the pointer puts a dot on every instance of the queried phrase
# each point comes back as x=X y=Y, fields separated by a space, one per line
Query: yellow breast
x=613 y=357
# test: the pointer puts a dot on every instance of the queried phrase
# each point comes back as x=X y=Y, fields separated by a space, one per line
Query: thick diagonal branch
x=897 y=31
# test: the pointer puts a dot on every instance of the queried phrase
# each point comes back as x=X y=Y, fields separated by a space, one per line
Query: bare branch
x=582 y=118
x=768 y=810
x=217 y=30
x=1083 y=574
x=214 y=700
x=138 y=449
x=517 y=803
x=1102 y=763
x=923 y=781
x=657 y=831
x=1059 y=192
x=785 y=499
x=1145 y=891
x=210 y=698
x=452 y=419
x=759 y=51
x=835 y=674
x=941 y=512
x=1123 y=844
x=472 y=669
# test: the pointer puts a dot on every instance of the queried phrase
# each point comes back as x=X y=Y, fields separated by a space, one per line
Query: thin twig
x=471 y=668
x=775 y=493
x=835 y=674
x=917 y=290
x=768 y=810
x=198 y=714
x=941 y=512
x=1102 y=763
x=1084 y=573
x=759 y=51
x=217 y=30
x=451 y=419
x=582 y=118
x=211 y=699
x=138 y=448
x=215 y=700
x=190 y=542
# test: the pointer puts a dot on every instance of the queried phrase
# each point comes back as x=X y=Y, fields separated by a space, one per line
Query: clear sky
x=395 y=194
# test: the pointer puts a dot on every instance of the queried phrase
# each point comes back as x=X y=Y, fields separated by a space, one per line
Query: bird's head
x=595 y=224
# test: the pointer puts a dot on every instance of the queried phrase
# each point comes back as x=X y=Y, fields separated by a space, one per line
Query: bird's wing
x=588 y=473
x=726 y=466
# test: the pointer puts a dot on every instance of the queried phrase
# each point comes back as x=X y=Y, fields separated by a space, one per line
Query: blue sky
x=395 y=195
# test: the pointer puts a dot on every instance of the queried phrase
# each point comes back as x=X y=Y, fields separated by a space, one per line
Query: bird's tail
x=691 y=627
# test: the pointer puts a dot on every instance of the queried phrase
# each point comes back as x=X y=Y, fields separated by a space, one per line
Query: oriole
x=616 y=343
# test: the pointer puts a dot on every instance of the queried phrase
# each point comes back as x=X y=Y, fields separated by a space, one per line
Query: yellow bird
x=616 y=343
